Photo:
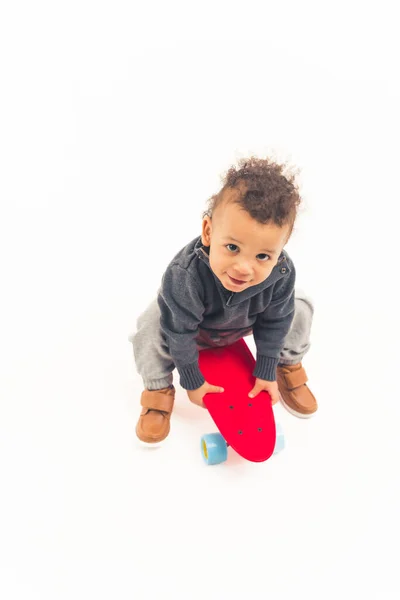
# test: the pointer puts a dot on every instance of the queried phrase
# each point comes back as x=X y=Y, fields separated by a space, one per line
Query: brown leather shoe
x=153 y=425
x=296 y=396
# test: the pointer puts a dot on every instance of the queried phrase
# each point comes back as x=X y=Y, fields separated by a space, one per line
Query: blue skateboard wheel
x=280 y=439
x=213 y=448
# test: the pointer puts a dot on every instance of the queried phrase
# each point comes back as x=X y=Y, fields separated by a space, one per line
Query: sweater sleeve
x=181 y=304
x=273 y=325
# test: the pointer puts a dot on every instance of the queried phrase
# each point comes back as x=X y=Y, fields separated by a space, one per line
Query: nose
x=242 y=270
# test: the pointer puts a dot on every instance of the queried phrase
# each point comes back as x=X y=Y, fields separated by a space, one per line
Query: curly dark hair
x=265 y=191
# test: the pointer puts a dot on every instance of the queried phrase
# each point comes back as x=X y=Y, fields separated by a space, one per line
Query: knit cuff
x=191 y=377
x=266 y=367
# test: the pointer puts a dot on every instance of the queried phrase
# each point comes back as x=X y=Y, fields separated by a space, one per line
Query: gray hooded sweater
x=193 y=302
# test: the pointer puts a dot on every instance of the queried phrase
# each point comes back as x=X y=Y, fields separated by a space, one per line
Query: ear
x=206 y=230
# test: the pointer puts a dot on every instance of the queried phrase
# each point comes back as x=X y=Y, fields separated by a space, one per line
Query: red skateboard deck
x=246 y=424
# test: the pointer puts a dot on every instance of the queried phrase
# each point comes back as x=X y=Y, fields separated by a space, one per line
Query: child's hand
x=196 y=396
x=269 y=386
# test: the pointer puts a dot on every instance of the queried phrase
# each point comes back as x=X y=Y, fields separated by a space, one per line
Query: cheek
x=264 y=272
x=218 y=262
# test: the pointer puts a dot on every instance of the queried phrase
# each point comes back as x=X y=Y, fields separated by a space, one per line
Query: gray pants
x=155 y=365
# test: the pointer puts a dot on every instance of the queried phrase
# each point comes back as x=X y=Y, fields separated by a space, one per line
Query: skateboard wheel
x=280 y=439
x=213 y=448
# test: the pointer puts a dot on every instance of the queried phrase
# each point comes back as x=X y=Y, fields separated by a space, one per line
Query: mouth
x=237 y=281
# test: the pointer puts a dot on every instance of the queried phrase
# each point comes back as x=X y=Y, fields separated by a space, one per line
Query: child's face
x=243 y=251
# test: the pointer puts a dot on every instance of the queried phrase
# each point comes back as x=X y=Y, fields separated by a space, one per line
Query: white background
x=117 y=122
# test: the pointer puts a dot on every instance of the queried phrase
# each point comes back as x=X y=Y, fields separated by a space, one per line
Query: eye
x=264 y=257
x=230 y=246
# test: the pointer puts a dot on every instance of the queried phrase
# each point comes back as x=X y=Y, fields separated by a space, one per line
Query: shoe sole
x=294 y=412
x=144 y=444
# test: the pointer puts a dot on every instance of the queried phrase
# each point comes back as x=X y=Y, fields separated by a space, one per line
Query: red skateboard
x=246 y=424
